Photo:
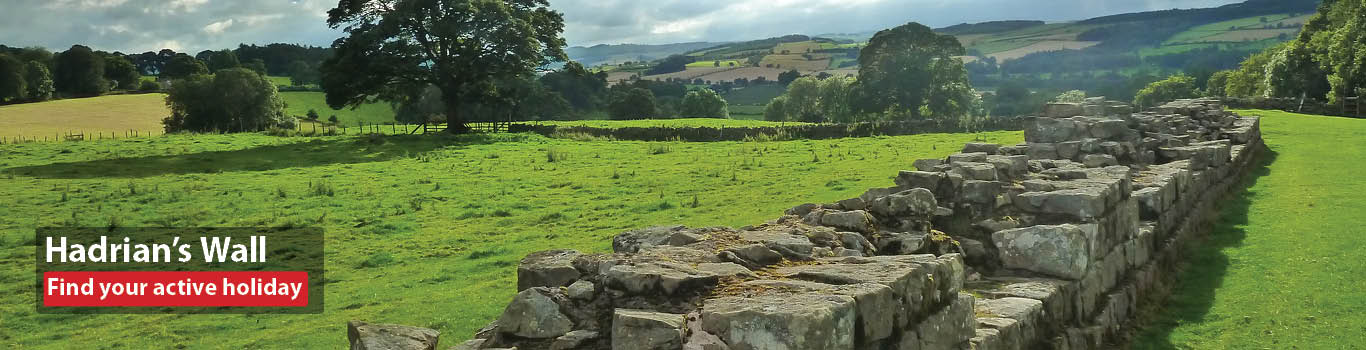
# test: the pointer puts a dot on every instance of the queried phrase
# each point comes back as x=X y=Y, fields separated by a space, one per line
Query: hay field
x=1042 y=46
x=105 y=114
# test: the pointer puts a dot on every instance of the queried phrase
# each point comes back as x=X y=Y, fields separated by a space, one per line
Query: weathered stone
x=1042 y=151
x=975 y=171
x=856 y=242
x=725 y=270
x=1010 y=167
x=552 y=268
x=913 y=202
x=857 y=221
x=965 y=157
x=367 y=336
x=1028 y=314
x=1062 y=110
x=902 y=243
x=1069 y=149
x=637 y=240
x=1060 y=251
x=645 y=330
x=791 y=246
x=927 y=164
x=973 y=250
x=582 y=290
x=534 y=314
x=473 y=344
x=1038 y=186
x=974 y=147
x=1099 y=160
x=658 y=277
x=950 y=328
x=573 y=340
x=783 y=319
x=853 y=204
x=802 y=210
x=1085 y=203
x=982 y=192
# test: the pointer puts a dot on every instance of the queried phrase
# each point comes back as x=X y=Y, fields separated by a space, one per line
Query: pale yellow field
x=90 y=116
x=1043 y=46
x=819 y=62
x=797 y=48
x=689 y=74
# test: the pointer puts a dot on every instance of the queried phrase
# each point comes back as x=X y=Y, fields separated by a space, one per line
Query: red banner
x=175 y=289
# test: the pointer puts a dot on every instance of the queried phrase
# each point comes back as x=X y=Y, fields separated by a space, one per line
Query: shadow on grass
x=296 y=155
x=1205 y=264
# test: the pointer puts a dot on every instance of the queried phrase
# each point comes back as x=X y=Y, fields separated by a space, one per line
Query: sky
x=134 y=26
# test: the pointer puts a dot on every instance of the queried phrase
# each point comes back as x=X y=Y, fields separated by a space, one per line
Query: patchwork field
x=1042 y=46
x=422 y=230
x=1282 y=268
x=1243 y=29
x=106 y=114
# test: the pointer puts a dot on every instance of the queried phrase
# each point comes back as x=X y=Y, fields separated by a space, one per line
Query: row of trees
x=905 y=73
x=35 y=74
x=1327 y=61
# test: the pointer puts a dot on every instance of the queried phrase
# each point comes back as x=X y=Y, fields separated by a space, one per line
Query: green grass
x=1283 y=267
x=300 y=102
x=759 y=94
x=281 y=81
x=421 y=230
x=670 y=123
x=1197 y=33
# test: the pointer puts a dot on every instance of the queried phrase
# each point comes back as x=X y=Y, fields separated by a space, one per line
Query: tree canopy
x=80 y=72
x=704 y=103
x=1175 y=87
x=231 y=100
x=396 y=48
x=910 y=72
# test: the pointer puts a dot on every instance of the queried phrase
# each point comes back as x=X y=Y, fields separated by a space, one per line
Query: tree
x=1218 y=84
x=232 y=100
x=183 y=66
x=582 y=89
x=789 y=76
x=223 y=59
x=704 y=103
x=776 y=111
x=1175 y=87
x=256 y=65
x=80 y=72
x=396 y=48
x=13 y=88
x=121 y=73
x=301 y=73
x=39 y=81
x=637 y=103
x=910 y=71
x=425 y=107
x=1074 y=96
x=671 y=64
x=834 y=100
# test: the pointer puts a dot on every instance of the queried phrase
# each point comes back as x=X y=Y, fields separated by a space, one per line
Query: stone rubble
x=1048 y=244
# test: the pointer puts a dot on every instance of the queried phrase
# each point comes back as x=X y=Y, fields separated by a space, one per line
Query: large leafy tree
x=183 y=66
x=1175 y=87
x=704 y=103
x=231 y=100
x=909 y=72
x=39 y=81
x=396 y=48
x=80 y=72
x=121 y=73
x=636 y=103
x=12 y=84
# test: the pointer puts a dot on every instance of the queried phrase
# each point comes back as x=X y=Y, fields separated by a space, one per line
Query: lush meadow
x=1282 y=268
x=422 y=230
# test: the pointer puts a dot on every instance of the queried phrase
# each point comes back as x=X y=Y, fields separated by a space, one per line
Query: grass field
x=713 y=63
x=759 y=94
x=668 y=123
x=104 y=114
x=1250 y=28
x=298 y=104
x=1282 y=268
x=422 y=230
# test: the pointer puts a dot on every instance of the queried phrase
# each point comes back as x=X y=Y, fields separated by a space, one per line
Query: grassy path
x=1284 y=267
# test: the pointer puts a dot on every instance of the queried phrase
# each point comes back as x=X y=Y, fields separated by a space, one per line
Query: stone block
x=1060 y=251
x=552 y=268
x=646 y=330
x=367 y=336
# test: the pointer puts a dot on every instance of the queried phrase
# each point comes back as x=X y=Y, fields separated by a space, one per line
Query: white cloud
x=218 y=27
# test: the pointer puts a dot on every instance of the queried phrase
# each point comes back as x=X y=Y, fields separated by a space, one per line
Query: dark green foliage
x=80 y=72
x=395 y=50
x=149 y=86
x=671 y=64
x=582 y=89
x=232 y=100
x=39 y=81
x=909 y=72
x=220 y=60
x=13 y=88
x=182 y=66
x=704 y=103
x=988 y=27
x=1176 y=87
x=302 y=73
x=637 y=103
x=789 y=76
x=121 y=73
x=256 y=65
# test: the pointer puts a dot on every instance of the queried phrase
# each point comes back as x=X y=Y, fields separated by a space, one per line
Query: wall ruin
x=1054 y=243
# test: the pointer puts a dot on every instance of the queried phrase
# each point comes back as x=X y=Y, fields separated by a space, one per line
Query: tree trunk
x=455 y=124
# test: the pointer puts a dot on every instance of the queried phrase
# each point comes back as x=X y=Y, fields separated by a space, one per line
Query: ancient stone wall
x=1051 y=244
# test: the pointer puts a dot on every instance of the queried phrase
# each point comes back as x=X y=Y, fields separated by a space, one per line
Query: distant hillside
x=988 y=27
x=613 y=54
